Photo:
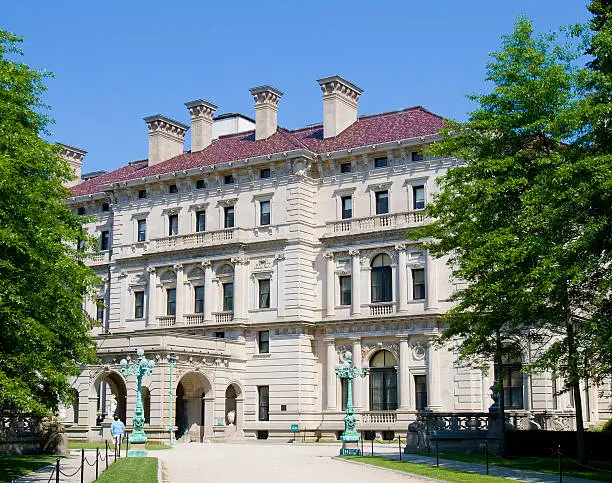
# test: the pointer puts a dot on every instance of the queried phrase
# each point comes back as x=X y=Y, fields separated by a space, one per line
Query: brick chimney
x=74 y=156
x=166 y=138
x=201 y=123
x=339 y=104
x=266 y=110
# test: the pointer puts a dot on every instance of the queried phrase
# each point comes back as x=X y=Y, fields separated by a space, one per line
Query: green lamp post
x=350 y=438
x=143 y=367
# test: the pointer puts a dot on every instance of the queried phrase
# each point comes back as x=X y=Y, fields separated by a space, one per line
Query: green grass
x=12 y=467
x=444 y=474
x=101 y=445
x=142 y=470
x=543 y=465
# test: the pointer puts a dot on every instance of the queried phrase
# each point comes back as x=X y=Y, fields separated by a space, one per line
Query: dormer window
x=105 y=207
x=228 y=179
x=381 y=162
x=417 y=156
x=142 y=194
x=264 y=173
x=172 y=188
x=200 y=185
x=81 y=211
x=346 y=168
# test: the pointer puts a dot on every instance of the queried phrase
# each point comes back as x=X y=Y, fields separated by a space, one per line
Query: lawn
x=142 y=470
x=544 y=465
x=101 y=445
x=12 y=467
x=443 y=474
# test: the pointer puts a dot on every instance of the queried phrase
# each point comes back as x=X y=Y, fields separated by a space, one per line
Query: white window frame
x=257 y=199
x=410 y=184
x=221 y=205
x=375 y=188
x=255 y=278
x=339 y=194
x=136 y=217
x=194 y=217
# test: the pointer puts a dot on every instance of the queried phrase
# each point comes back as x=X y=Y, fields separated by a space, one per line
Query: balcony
x=368 y=224
x=378 y=417
x=166 y=320
x=194 y=240
x=382 y=308
x=96 y=258
x=223 y=317
x=194 y=319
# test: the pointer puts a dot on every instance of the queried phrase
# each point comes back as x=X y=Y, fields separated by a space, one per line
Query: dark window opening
x=142 y=230
x=346 y=168
x=172 y=188
x=172 y=225
x=383 y=389
x=382 y=202
x=229 y=216
x=261 y=434
x=382 y=283
x=220 y=335
x=228 y=179
x=347 y=207
x=513 y=384
x=263 y=393
x=418 y=197
x=100 y=311
x=264 y=341
x=264 y=294
x=418 y=283
x=198 y=291
x=264 y=173
x=417 y=156
x=105 y=207
x=264 y=215
x=345 y=290
x=228 y=297
x=171 y=301
x=381 y=162
x=200 y=221
x=200 y=185
x=420 y=392
x=81 y=211
x=139 y=304
x=142 y=194
x=104 y=240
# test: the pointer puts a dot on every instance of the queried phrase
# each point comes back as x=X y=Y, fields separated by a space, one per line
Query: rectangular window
x=139 y=304
x=171 y=301
x=264 y=173
x=229 y=216
x=420 y=392
x=382 y=202
x=264 y=294
x=100 y=311
x=104 y=240
x=418 y=283
x=220 y=335
x=142 y=194
x=172 y=225
x=228 y=297
x=418 y=197
x=513 y=384
x=264 y=341
x=105 y=207
x=200 y=221
x=347 y=207
x=416 y=156
x=345 y=290
x=172 y=188
x=200 y=185
x=346 y=168
x=383 y=389
x=81 y=211
x=381 y=162
x=198 y=291
x=228 y=179
x=264 y=215
x=263 y=393
x=142 y=230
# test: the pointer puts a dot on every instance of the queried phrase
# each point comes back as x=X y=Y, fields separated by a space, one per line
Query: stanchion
x=106 y=449
x=127 y=445
x=57 y=470
x=437 y=454
x=372 y=446
x=97 y=456
x=560 y=465
x=82 y=465
x=487 y=456
x=399 y=446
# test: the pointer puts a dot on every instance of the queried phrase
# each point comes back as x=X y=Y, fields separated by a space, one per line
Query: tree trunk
x=502 y=399
x=574 y=383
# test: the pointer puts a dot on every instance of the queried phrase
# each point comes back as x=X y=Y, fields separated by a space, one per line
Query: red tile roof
x=375 y=129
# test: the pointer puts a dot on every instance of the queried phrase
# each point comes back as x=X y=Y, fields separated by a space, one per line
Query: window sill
x=262 y=310
x=265 y=355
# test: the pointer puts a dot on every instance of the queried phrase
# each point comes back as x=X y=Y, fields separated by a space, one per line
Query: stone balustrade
x=382 y=308
x=378 y=417
x=389 y=221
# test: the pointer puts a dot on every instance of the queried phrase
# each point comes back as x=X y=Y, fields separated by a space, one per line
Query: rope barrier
x=90 y=464
x=586 y=466
x=51 y=476
x=70 y=476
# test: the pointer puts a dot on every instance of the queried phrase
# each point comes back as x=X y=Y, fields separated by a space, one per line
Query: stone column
x=402 y=292
x=431 y=283
x=433 y=378
x=152 y=297
x=358 y=381
x=355 y=279
x=332 y=361
x=404 y=375
x=180 y=289
x=241 y=289
x=330 y=284
x=208 y=296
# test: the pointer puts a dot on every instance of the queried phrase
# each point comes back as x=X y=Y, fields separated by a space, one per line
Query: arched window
x=383 y=382
x=382 y=290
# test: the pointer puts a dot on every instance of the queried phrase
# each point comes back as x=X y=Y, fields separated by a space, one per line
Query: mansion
x=248 y=265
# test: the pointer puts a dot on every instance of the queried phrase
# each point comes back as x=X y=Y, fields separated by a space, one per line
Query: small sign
x=294 y=428
x=350 y=452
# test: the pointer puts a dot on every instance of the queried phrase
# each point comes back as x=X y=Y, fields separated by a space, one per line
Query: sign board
x=294 y=428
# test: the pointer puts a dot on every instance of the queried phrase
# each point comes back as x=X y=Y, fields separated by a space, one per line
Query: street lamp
x=141 y=368
x=350 y=438
x=171 y=359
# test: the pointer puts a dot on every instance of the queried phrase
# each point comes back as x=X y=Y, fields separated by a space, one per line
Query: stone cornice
x=161 y=123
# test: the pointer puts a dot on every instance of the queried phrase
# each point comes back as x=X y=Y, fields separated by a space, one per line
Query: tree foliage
x=44 y=333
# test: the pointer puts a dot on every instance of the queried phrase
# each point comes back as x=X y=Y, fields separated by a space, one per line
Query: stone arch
x=234 y=401
x=108 y=396
x=167 y=276
x=193 y=406
x=195 y=273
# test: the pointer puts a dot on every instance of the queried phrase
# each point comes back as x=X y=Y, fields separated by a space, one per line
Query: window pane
x=228 y=179
x=200 y=221
x=104 y=240
x=199 y=299
x=264 y=173
x=265 y=213
x=264 y=402
x=345 y=290
x=264 y=341
x=200 y=184
x=418 y=283
x=345 y=168
x=382 y=202
x=171 y=301
x=418 y=197
x=420 y=391
x=142 y=230
x=228 y=297
x=138 y=305
x=100 y=311
x=142 y=194
x=381 y=284
x=172 y=225
x=380 y=162
x=229 y=217
x=173 y=188
x=416 y=156
x=264 y=294
x=347 y=207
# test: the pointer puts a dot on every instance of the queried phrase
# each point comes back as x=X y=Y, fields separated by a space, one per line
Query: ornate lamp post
x=171 y=360
x=141 y=368
x=350 y=438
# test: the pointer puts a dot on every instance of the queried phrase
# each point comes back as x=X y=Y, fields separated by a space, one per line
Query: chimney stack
x=74 y=156
x=201 y=123
x=339 y=104
x=266 y=110
x=166 y=138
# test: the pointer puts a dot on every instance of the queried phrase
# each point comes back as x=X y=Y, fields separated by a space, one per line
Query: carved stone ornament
x=279 y=256
x=151 y=270
x=353 y=252
x=240 y=260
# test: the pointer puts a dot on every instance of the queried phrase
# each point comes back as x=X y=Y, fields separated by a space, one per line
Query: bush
x=607 y=425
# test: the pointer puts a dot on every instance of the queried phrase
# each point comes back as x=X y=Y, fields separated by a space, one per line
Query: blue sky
x=117 y=62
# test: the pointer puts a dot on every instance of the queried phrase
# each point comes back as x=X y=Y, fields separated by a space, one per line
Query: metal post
x=437 y=454
x=372 y=446
x=487 y=455
x=127 y=445
x=97 y=456
x=399 y=446
x=57 y=471
x=82 y=465
x=106 y=450
x=560 y=465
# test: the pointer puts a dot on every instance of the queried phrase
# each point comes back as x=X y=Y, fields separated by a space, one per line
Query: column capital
x=403 y=338
x=329 y=256
x=151 y=270
x=400 y=246
x=353 y=252
x=206 y=264
x=178 y=266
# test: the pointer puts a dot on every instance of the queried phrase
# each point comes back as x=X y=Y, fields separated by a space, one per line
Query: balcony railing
x=166 y=320
x=194 y=319
x=96 y=258
x=222 y=317
x=374 y=223
x=378 y=417
x=194 y=239
x=382 y=308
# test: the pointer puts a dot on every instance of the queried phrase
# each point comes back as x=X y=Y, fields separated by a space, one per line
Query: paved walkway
x=68 y=466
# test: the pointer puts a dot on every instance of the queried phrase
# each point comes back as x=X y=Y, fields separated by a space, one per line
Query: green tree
x=44 y=331
x=499 y=220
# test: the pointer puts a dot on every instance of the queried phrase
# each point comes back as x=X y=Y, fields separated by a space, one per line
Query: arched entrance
x=233 y=411
x=383 y=381
x=193 y=415
x=110 y=394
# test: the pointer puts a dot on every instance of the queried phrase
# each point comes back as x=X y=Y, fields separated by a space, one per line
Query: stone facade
x=258 y=273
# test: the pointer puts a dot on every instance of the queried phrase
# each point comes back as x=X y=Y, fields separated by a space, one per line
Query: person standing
x=117 y=428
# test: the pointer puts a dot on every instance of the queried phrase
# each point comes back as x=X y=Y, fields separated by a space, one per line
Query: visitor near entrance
x=117 y=428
